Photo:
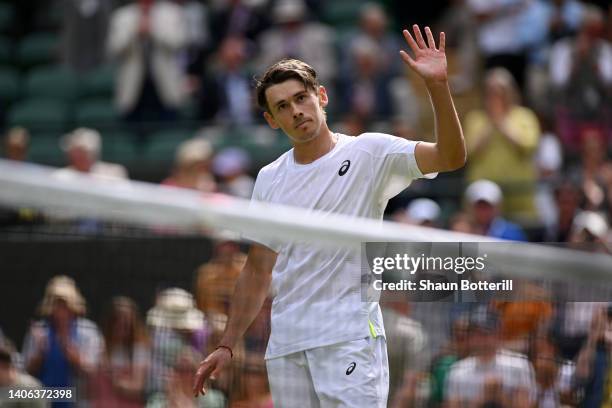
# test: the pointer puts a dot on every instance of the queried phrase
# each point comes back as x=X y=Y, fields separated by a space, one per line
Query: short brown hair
x=282 y=71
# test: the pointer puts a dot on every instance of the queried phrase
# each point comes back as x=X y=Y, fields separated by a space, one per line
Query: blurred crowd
x=533 y=84
x=534 y=353
x=532 y=81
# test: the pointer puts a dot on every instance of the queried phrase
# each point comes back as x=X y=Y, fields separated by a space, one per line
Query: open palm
x=429 y=62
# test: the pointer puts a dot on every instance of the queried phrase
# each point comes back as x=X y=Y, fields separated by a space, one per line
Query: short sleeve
x=258 y=197
x=394 y=163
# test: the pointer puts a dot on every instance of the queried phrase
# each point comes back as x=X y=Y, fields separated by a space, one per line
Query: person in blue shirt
x=485 y=198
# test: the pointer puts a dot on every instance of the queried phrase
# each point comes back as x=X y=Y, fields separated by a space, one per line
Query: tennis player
x=327 y=347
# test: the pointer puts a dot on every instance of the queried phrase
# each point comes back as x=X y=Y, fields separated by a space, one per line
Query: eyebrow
x=293 y=96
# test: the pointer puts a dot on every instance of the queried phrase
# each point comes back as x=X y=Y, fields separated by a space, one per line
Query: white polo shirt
x=317 y=291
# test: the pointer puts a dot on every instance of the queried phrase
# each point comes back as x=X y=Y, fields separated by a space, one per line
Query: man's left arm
x=448 y=152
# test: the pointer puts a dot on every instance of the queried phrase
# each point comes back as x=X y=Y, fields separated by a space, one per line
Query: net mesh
x=157 y=269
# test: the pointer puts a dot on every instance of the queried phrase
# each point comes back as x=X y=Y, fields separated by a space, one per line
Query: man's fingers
x=407 y=58
x=201 y=376
x=413 y=45
x=418 y=36
x=430 y=40
x=442 y=41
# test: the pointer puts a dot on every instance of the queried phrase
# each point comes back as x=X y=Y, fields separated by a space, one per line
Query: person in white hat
x=83 y=147
x=485 y=200
x=64 y=348
x=424 y=212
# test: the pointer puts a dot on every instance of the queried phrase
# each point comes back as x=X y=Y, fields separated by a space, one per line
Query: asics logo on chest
x=344 y=168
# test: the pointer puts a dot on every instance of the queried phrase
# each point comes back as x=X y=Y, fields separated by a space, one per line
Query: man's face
x=296 y=110
x=484 y=212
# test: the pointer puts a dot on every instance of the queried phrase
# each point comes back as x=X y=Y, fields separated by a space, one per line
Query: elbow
x=456 y=162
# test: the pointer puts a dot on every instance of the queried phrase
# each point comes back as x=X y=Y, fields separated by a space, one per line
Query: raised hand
x=429 y=62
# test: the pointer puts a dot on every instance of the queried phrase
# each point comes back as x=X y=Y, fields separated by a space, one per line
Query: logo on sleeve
x=344 y=168
x=351 y=368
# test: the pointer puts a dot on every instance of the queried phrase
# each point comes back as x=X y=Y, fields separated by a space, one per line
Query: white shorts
x=350 y=374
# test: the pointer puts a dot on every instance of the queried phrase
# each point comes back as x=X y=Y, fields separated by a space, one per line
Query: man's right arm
x=250 y=292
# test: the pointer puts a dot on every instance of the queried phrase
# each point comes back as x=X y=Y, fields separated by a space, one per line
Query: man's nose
x=296 y=112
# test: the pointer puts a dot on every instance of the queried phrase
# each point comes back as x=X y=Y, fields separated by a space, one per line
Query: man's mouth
x=301 y=123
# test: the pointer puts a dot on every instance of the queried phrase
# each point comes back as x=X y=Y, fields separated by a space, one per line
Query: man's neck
x=307 y=152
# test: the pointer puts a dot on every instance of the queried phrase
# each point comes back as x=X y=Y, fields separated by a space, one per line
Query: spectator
x=192 y=166
x=461 y=45
x=502 y=141
x=293 y=36
x=83 y=147
x=373 y=27
x=231 y=165
x=408 y=343
x=85 y=24
x=121 y=378
x=455 y=350
x=543 y=23
x=146 y=39
x=177 y=392
x=225 y=94
x=491 y=375
x=16 y=144
x=12 y=378
x=485 y=199
x=594 y=173
x=581 y=76
x=567 y=201
x=215 y=283
x=64 y=348
x=593 y=361
x=498 y=40
x=175 y=323
x=555 y=377
x=590 y=231
x=549 y=163
x=238 y=18
x=422 y=211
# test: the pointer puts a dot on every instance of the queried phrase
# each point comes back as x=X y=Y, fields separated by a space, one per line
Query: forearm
x=449 y=135
x=249 y=295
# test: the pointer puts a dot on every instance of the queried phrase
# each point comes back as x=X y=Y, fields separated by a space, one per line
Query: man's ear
x=271 y=122
x=323 y=100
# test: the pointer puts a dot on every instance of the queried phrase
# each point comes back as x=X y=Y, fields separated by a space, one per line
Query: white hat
x=175 y=309
x=64 y=288
x=286 y=11
x=85 y=138
x=193 y=150
x=591 y=221
x=484 y=190
x=423 y=209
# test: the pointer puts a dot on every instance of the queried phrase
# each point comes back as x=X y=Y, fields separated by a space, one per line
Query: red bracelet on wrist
x=228 y=349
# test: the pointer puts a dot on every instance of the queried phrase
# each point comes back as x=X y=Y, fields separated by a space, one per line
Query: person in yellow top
x=501 y=141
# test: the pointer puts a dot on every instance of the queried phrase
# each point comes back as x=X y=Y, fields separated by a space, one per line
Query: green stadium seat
x=37 y=48
x=97 y=113
x=342 y=13
x=7 y=16
x=98 y=83
x=52 y=82
x=10 y=88
x=45 y=149
x=39 y=114
x=6 y=51
x=119 y=147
